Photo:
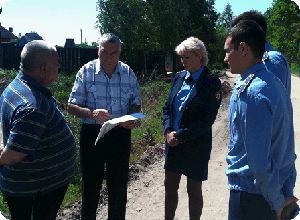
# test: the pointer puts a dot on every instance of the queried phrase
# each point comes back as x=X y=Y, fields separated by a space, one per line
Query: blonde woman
x=188 y=116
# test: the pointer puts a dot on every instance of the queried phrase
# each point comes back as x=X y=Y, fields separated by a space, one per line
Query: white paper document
x=110 y=124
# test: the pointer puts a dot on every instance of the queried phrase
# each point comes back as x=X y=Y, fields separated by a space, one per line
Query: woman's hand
x=171 y=139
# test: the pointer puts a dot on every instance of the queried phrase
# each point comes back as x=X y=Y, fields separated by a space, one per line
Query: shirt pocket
x=126 y=97
x=91 y=94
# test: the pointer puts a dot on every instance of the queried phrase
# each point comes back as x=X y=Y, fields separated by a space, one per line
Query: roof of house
x=32 y=36
x=6 y=34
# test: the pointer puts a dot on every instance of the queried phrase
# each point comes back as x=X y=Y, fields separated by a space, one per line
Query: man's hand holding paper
x=126 y=121
x=101 y=115
x=128 y=124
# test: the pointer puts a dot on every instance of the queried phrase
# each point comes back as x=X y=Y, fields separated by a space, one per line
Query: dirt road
x=146 y=195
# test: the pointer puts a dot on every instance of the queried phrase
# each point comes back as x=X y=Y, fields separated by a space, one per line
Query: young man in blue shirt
x=274 y=60
x=261 y=158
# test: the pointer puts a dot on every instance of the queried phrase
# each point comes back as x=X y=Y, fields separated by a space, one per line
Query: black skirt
x=190 y=159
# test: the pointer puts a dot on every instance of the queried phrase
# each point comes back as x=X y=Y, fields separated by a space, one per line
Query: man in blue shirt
x=39 y=157
x=274 y=60
x=261 y=159
x=105 y=88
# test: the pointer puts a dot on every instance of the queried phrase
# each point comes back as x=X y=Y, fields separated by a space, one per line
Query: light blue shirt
x=182 y=96
x=278 y=65
x=93 y=89
x=261 y=156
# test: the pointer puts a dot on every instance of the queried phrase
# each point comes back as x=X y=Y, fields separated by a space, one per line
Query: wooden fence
x=144 y=63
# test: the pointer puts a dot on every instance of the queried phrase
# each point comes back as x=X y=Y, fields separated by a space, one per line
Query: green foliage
x=223 y=25
x=284 y=28
x=8 y=74
x=295 y=68
x=224 y=21
x=4 y=207
x=149 y=132
x=85 y=45
x=157 y=24
x=73 y=195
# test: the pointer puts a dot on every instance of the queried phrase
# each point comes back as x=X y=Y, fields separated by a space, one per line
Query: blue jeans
x=249 y=206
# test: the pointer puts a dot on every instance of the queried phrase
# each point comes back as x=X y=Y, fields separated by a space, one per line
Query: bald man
x=38 y=158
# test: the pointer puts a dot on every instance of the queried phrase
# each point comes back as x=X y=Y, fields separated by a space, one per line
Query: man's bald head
x=34 y=54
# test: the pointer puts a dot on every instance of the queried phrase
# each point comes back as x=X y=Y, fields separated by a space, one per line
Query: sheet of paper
x=110 y=124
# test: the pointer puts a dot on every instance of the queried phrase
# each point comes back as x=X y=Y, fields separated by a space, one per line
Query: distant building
x=70 y=43
x=7 y=36
x=29 y=37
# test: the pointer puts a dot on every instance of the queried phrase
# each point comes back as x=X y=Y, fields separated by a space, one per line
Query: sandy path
x=146 y=196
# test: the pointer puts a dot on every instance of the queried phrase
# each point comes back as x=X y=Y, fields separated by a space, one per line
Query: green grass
x=295 y=68
x=147 y=133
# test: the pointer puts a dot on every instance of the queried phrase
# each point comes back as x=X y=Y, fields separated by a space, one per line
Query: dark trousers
x=40 y=207
x=114 y=151
x=249 y=206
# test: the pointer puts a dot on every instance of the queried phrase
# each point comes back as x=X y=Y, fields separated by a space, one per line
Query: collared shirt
x=183 y=95
x=93 y=89
x=277 y=64
x=32 y=124
x=261 y=156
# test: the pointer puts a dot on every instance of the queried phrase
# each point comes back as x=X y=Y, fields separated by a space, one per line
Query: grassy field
x=147 y=133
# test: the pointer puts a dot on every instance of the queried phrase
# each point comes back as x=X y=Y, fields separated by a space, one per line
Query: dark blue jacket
x=200 y=110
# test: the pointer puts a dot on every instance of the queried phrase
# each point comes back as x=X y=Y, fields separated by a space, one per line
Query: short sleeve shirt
x=93 y=89
x=32 y=124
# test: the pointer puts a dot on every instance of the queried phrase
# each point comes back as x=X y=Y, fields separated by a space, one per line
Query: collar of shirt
x=99 y=68
x=33 y=83
x=252 y=70
x=268 y=47
x=196 y=75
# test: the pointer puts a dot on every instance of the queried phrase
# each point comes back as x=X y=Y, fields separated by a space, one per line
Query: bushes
x=149 y=132
x=295 y=68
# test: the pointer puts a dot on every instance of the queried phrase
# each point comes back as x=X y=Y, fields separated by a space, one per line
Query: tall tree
x=224 y=20
x=223 y=26
x=284 y=28
x=157 y=24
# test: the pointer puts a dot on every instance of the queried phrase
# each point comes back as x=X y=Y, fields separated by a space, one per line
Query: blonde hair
x=193 y=44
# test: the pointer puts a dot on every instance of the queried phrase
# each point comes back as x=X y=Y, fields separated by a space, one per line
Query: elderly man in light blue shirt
x=261 y=158
x=105 y=88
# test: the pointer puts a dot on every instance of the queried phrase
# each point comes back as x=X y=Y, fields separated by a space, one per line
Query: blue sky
x=56 y=20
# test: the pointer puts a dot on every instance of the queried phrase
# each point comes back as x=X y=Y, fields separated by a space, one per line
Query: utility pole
x=81 y=35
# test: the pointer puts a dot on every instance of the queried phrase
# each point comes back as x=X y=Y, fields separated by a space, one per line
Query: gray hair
x=35 y=53
x=110 y=38
x=193 y=44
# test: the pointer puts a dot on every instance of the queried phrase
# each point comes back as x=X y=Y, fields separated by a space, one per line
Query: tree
x=284 y=28
x=224 y=20
x=127 y=19
x=157 y=24
x=223 y=26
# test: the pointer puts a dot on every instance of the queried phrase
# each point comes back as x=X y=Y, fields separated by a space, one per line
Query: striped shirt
x=32 y=124
x=93 y=89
